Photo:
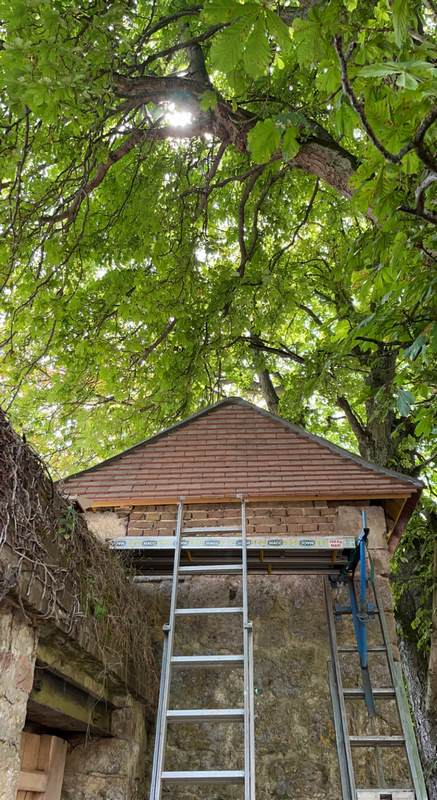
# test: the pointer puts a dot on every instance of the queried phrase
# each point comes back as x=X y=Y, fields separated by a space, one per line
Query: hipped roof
x=232 y=448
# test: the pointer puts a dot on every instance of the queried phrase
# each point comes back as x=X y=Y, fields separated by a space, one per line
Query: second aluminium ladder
x=362 y=612
x=245 y=714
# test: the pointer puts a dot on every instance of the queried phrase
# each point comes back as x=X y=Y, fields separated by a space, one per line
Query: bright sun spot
x=177 y=116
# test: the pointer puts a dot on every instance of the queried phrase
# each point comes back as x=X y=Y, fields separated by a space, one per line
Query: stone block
x=9 y=768
x=349 y=524
x=24 y=674
x=106 y=525
x=17 y=659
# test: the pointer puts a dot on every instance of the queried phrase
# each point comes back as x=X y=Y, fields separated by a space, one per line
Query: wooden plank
x=394 y=509
x=95 y=502
x=29 y=750
x=52 y=754
x=32 y=781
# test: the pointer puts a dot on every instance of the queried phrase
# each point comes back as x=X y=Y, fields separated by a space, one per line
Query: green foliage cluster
x=279 y=243
x=414 y=577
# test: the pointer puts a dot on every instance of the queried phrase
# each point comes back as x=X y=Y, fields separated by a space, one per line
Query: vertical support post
x=161 y=732
x=251 y=716
x=246 y=654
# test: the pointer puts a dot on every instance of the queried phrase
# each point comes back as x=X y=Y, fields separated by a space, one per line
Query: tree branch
x=282 y=351
x=357 y=105
x=416 y=143
x=356 y=425
x=137 y=137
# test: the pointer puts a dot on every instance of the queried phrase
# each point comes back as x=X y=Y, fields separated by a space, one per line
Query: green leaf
x=404 y=401
x=401 y=15
x=416 y=348
x=379 y=70
x=382 y=69
x=341 y=329
x=208 y=101
x=290 y=145
x=217 y=11
x=256 y=56
x=278 y=29
x=226 y=49
x=263 y=140
x=406 y=81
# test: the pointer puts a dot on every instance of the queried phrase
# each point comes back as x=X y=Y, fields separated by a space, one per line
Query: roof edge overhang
x=87 y=502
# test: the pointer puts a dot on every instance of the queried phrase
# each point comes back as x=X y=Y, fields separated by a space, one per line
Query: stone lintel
x=55 y=703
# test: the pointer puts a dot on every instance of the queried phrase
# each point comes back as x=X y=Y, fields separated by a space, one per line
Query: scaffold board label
x=234 y=542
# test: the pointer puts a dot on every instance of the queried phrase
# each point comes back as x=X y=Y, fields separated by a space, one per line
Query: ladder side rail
x=247 y=759
x=162 y=732
x=251 y=717
x=349 y=783
x=339 y=733
x=158 y=720
x=408 y=733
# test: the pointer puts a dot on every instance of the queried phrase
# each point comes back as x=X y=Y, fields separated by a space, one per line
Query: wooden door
x=42 y=767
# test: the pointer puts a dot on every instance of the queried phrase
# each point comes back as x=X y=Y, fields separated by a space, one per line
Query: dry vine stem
x=52 y=545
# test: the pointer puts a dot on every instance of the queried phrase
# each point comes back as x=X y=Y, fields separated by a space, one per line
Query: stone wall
x=296 y=754
x=103 y=768
x=17 y=661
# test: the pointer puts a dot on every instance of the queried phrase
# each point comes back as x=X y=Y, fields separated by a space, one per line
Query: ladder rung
x=386 y=691
x=382 y=794
x=207 y=661
x=206 y=715
x=376 y=741
x=376 y=648
x=185 y=612
x=226 y=529
x=211 y=569
x=342 y=611
x=207 y=776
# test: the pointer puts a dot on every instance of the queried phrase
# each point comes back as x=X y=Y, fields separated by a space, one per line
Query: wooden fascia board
x=402 y=520
x=94 y=503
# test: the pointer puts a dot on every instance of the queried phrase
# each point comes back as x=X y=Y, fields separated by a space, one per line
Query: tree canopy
x=228 y=197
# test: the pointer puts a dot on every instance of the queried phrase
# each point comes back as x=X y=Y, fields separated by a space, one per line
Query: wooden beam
x=394 y=509
x=55 y=703
x=62 y=664
x=52 y=755
x=95 y=503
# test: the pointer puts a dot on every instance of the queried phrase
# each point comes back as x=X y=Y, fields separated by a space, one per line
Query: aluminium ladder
x=363 y=612
x=170 y=662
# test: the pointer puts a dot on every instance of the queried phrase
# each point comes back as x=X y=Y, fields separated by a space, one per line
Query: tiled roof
x=231 y=448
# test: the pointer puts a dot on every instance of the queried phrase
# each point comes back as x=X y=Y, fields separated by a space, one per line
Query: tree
x=222 y=195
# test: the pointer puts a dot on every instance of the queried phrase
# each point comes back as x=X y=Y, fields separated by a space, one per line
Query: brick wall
x=264 y=517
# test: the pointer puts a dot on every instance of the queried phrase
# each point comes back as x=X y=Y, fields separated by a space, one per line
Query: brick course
x=280 y=518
